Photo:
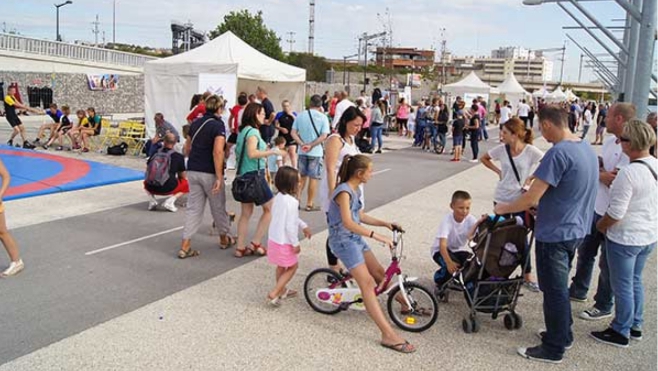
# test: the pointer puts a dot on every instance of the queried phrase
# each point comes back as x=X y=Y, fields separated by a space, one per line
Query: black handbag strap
x=314 y=128
x=655 y=176
x=244 y=149
x=511 y=160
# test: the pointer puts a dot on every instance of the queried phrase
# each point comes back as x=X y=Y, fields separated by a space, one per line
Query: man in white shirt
x=612 y=158
x=340 y=108
x=523 y=111
x=364 y=98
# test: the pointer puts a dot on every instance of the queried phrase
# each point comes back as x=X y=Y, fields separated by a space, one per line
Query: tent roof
x=558 y=94
x=472 y=81
x=228 y=49
x=511 y=86
x=541 y=93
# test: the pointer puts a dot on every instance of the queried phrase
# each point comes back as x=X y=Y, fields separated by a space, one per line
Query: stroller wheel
x=470 y=324
x=512 y=321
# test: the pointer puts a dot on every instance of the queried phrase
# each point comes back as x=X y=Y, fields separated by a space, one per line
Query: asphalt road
x=64 y=290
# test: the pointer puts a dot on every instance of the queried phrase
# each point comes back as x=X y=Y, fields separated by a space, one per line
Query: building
x=494 y=70
x=512 y=52
x=404 y=58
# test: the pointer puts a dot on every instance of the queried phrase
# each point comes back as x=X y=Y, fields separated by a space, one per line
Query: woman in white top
x=588 y=115
x=514 y=176
x=337 y=146
x=630 y=228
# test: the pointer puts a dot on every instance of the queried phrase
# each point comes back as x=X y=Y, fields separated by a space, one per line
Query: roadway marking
x=133 y=241
x=380 y=171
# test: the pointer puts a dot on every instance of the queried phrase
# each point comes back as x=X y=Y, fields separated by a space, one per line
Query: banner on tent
x=468 y=98
x=224 y=85
x=103 y=82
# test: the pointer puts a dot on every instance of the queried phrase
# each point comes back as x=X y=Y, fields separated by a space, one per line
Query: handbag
x=247 y=188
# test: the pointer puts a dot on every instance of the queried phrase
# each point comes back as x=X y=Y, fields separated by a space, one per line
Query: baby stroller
x=500 y=247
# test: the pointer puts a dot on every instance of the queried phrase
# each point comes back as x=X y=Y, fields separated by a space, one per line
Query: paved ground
x=137 y=307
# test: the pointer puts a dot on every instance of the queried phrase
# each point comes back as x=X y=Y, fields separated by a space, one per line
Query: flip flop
x=274 y=303
x=289 y=294
x=310 y=208
x=405 y=347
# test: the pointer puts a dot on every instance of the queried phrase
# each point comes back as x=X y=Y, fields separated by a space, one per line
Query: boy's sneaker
x=636 y=334
x=577 y=299
x=169 y=204
x=28 y=145
x=538 y=354
x=14 y=268
x=610 y=337
x=540 y=334
x=531 y=286
x=594 y=314
x=153 y=202
x=10 y=143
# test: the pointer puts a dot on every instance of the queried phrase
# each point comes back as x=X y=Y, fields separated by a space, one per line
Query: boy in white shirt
x=450 y=248
x=274 y=162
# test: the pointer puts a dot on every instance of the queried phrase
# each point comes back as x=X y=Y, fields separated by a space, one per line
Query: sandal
x=310 y=208
x=182 y=254
x=289 y=294
x=402 y=347
x=245 y=251
x=226 y=241
x=257 y=249
x=274 y=303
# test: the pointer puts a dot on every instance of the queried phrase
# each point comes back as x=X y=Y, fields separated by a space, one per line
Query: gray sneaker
x=594 y=314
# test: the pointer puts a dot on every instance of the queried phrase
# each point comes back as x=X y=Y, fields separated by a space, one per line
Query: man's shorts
x=14 y=121
x=458 y=140
x=310 y=166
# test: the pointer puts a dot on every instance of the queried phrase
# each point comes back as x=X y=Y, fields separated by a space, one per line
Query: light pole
x=58 y=37
x=114 y=22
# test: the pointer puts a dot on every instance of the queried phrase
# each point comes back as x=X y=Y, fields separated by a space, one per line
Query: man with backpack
x=165 y=175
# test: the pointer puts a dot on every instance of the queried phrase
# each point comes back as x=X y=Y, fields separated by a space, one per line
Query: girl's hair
x=196 y=98
x=249 y=117
x=186 y=130
x=287 y=180
x=81 y=112
x=517 y=127
x=352 y=165
x=214 y=103
x=351 y=113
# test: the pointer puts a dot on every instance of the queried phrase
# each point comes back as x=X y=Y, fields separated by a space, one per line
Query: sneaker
x=610 y=337
x=37 y=140
x=28 y=145
x=378 y=151
x=10 y=143
x=540 y=334
x=44 y=146
x=169 y=204
x=59 y=148
x=636 y=334
x=531 y=286
x=14 y=268
x=473 y=161
x=153 y=202
x=594 y=314
x=538 y=354
x=577 y=299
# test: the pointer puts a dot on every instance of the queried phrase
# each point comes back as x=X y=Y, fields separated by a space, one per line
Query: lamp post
x=58 y=37
x=114 y=22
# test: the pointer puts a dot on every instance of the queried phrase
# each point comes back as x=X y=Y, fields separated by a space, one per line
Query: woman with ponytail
x=518 y=158
x=346 y=220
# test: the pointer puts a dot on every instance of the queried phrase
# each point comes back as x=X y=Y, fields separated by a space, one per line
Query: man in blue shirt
x=309 y=131
x=56 y=115
x=564 y=190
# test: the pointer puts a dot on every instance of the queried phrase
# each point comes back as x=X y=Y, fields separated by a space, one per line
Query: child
x=458 y=136
x=16 y=264
x=275 y=162
x=450 y=248
x=56 y=115
x=411 y=124
x=346 y=232
x=283 y=242
x=64 y=128
x=76 y=132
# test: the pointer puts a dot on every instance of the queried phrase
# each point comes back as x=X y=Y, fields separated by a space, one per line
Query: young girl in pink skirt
x=283 y=242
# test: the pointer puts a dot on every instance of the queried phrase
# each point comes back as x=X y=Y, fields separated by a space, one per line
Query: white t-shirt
x=346 y=149
x=340 y=108
x=285 y=224
x=456 y=233
x=634 y=202
x=505 y=113
x=613 y=157
x=588 y=118
x=508 y=188
x=524 y=110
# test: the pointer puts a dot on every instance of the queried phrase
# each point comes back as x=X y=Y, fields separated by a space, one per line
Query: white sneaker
x=474 y=161
x=169 y=204
x=14 y=269
x=153 y=202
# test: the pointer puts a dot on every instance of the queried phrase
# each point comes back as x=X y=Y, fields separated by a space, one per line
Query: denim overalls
x=346 y=245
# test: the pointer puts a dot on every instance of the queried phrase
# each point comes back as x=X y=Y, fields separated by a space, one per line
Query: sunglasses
x=623 y=139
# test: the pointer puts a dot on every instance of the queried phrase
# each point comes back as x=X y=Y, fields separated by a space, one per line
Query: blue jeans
x=420 y=132
x=433 y=132
x=553 y=266
x=483 y=129
x=376 y=136
x=151 y=148
x=603 y=300
x=626 y=264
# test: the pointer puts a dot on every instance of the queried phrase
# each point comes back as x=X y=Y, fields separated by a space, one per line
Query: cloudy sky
x=471 y=27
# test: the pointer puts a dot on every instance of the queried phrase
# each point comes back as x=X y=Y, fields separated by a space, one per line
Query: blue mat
x=35 y=173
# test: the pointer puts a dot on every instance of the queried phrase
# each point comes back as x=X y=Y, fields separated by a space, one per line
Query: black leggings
x=332 y=260
x=475 y=147
x=402 y=123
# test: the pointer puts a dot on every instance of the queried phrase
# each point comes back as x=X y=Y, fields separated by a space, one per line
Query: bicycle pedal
x=344 y=306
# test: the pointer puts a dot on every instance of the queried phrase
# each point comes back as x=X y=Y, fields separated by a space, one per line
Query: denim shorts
x=310 y=166
x=349 y=249
x=458 y=140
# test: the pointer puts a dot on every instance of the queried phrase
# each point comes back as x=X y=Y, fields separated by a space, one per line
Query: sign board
x=224 y=85
x=103 y=82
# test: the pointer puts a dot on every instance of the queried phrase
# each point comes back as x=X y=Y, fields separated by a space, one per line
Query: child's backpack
x=157 y=169
x=118 y=150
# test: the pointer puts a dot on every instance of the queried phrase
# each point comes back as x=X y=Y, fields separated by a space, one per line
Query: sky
x=472 y=27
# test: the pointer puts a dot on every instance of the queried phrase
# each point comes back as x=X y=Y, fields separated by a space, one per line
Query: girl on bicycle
x=283 y=243
x=346 y=241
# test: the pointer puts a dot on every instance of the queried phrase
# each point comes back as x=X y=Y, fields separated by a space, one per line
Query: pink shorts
x=281 y=255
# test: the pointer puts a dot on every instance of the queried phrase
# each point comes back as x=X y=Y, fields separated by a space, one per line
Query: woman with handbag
x=517 y=157
x=250 y=186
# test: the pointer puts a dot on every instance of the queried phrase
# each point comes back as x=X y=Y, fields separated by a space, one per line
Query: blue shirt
x=56 y=116
x=306 y=132
x=566 y=210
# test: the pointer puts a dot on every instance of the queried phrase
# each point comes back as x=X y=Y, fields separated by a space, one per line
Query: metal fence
x=57 y=49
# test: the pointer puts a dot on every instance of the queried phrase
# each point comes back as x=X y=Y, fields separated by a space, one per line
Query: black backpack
x=118 y=150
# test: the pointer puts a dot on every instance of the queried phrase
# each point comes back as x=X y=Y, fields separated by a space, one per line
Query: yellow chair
x=134 y=135
x=98 y=141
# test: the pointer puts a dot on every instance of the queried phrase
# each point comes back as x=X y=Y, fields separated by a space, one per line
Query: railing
x=71 y=51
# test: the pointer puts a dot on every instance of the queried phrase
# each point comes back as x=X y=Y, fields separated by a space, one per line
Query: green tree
x=316 y=67
x=252 y=30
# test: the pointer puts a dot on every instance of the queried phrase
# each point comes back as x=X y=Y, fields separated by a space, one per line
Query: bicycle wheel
x=424 y=308
x=320 y=279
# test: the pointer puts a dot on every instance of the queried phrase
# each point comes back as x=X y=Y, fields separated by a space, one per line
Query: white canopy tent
x=169 y=83
x=512 y=90
x=557 y=95
x=541 y=93
x=470 y=84
x=570 y=95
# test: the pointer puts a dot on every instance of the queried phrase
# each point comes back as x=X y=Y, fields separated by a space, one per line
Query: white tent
x=512 y=90
x=557 y=95
x=541 y=93
x=471 y=84
x=169 y=83
x=570 y=95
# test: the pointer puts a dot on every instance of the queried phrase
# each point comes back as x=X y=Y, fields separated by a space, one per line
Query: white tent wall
x=276 y=91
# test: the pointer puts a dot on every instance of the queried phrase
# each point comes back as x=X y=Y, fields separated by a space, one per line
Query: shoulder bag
x=247 y=188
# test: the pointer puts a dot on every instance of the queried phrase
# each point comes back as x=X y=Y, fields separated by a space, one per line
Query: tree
x=316 y=67
x=251 y=29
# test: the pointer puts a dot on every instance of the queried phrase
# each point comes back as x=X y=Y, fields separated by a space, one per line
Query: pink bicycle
x=410 y=305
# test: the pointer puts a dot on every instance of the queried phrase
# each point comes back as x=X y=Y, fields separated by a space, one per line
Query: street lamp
x=58 y=37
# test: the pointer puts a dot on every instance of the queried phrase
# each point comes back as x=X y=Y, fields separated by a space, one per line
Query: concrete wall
x=72 y=89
